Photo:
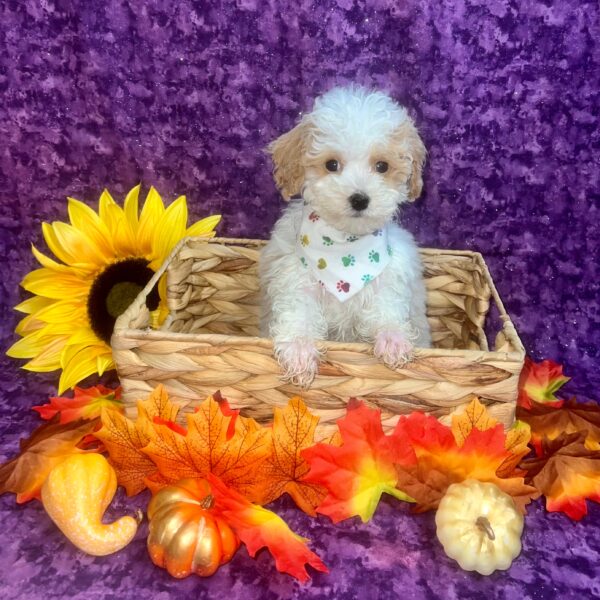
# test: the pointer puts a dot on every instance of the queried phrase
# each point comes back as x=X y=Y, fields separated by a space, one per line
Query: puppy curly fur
x=358 y=128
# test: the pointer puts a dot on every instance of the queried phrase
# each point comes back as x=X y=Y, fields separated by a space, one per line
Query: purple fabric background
x=184 y=95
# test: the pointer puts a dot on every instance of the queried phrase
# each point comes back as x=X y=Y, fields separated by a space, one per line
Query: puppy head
x=354 y=158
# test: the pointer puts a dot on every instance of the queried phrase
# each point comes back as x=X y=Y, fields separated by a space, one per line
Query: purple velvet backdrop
x=185 y=95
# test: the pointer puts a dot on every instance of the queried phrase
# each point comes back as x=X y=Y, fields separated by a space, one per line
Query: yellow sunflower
x=106 y=260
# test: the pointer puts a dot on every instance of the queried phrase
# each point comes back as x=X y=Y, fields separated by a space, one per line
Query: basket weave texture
x=210 y=341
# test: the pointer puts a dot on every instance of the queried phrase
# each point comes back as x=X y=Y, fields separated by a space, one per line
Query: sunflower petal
x=54 y=245
x=46 y=262
x=150 y=220
x=171 y=230
x=131 y=209
x=32 y=344
x=204 y=227
x=104 y=363
x=114 y=217
x=81 y=365
x=80 y=247
x=48 y=283
x=108 y=210
x=48 y=359
x=28 y=325
x=87 y=221
x=72 y=350
x=86 y=337
x=33 y=304
x=63 y=310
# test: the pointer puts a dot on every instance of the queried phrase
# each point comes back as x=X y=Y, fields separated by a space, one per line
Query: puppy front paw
x=393 y=348
x=299 y=360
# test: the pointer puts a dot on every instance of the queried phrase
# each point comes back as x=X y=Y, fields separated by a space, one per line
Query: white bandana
x=342 y=262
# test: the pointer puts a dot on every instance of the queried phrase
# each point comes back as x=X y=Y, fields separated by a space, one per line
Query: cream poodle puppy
x=338 y=266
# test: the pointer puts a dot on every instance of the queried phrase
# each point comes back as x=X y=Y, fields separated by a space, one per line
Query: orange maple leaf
x=550 y=421
x=207 y=448
x=293 y=431
x=356 y=473
x=124 y=439
x=567 y=473
x=46 y=447
x=475 y=416
x=446 y=456
x=258 y=527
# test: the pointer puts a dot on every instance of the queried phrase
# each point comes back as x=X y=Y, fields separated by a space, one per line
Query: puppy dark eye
x=381 y=166
x=332 y=165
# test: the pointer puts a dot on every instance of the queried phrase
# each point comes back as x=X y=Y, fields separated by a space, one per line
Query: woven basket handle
x=137 y=315
x=507 y=339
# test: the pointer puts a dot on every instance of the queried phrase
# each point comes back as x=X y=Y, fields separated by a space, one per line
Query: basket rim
x=123 y=328
x=216 y=339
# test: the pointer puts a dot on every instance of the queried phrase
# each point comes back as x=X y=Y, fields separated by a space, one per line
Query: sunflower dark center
x=114 y=290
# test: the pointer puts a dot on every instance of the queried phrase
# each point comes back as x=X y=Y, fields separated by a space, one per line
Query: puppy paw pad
x=299 y=361
x=393 y=348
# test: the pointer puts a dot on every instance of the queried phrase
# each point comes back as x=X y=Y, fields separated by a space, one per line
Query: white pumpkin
x=479 y=526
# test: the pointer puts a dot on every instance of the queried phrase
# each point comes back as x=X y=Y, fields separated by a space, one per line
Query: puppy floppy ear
x=410 y=143
x=288 y=152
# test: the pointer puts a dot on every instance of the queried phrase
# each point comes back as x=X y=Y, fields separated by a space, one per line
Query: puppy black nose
x=359 y=201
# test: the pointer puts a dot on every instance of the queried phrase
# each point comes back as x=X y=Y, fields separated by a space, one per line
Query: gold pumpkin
x=75 y=495
x=185 y=537
x=479 y=526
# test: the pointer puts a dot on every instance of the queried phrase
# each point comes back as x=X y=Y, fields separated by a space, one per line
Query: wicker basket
x=210 y=341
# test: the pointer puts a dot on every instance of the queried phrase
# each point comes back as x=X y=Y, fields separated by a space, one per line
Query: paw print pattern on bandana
x=374 y=256
x=343 y=262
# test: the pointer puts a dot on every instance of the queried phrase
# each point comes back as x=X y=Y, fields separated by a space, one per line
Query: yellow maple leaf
x=124 y=439
x=293 y=431
x=210 y=445
x=475 y=416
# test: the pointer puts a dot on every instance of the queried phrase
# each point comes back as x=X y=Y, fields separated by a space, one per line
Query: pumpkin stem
x=484 y=525
x=208 y=502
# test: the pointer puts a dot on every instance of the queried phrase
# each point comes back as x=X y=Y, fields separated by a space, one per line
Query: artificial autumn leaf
x=293 y=431
x=156 y=482
x=443 y=459
x=573 y=416
x=86 y=403
x=258 y=527
x=124 y=439
x=517 y=443
x=46 y=447
x=206 y=448
x=567 y=474
x=474 y=416
x=539 y=383
x=356 y=473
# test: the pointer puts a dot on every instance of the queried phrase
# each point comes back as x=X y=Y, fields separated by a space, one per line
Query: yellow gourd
x=76 y=494
x=479 y=526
